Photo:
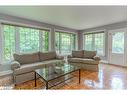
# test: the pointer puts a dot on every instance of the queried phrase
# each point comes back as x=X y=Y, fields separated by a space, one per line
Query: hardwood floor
x=108 y=77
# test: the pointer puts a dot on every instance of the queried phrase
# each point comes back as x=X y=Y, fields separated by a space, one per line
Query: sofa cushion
x=31 y=67
x=75 y=60
x=51 y=62
x=89 y=61
x=47 y=56
x=89 y=54
x=96 y=58
x=28 y=67
x=59 y=57
x=82 y=60
x=26 y=58
x=78 y=54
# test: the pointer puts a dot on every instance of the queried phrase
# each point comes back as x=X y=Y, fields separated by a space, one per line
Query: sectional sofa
x=24 y=64
x=87 y=60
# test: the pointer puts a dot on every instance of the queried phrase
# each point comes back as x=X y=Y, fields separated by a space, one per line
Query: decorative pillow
x=78 y=54
x=47 y=56
x=89 y=54
x=97 y=58
x=26 y=58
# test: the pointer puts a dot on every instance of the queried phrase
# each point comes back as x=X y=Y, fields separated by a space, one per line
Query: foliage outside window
x=45 y=38
x=9 y=42
x=95 y=41
x=118 y=42
x=64 y=42
x=29 y=40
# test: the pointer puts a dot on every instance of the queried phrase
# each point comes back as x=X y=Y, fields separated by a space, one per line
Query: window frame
x=30 y=31
x=93 y=38
x=68 y=32
x=3 y=43
x=17 y=39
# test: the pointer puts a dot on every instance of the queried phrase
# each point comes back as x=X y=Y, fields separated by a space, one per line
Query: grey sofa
x=84 y=59
x=24 y=64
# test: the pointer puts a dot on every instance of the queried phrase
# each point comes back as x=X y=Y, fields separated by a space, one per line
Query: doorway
x=117 y=49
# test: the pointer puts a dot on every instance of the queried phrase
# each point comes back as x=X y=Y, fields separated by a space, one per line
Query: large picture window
x=29 y=40
x=95 y=41
x=64 y=42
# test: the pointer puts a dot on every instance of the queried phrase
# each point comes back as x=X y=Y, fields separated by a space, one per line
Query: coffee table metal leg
x=79 y=75
x=14 y=79
x=35 y=79
x=46 y=85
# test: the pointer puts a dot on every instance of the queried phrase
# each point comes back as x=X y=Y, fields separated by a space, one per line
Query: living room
x=85 y=50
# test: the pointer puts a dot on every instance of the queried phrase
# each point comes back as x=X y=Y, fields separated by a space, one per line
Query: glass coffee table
x=56 y=71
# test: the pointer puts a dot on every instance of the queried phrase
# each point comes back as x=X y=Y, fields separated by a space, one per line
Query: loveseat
x=24 y=64
x=84 y=59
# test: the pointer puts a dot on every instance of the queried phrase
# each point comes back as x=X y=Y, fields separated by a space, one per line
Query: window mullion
x=17 y=40
x=71 y=42
x=93 y=41
x=104 y=44
x=40 y=40
x=84 y=42
x=1 y=44
x=60 y=41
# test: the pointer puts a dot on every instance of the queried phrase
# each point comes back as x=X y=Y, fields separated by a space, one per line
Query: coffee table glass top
x=55 y=70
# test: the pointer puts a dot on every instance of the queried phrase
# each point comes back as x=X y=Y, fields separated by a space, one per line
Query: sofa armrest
x=69 y=56
x=96 y=58
x=15 y=65
x=59 y=57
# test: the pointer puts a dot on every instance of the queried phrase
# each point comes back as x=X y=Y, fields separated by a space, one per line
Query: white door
x=117 y=47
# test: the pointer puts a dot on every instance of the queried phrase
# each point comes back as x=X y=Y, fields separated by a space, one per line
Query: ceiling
x=76 y=17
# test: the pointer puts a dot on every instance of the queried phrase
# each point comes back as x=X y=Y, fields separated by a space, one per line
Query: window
x=64 y=42
x=95 y=41
x=9 y=42
x=118 y=42
x=88 y=42
x=29 y=40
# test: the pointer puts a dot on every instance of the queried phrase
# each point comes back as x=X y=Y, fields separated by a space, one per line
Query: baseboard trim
x=114 y=65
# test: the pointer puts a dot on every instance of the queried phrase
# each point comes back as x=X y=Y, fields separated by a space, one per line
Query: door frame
x=110 y=44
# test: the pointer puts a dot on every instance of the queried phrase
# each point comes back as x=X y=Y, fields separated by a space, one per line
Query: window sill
x=4 y=73
x=5 y=69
